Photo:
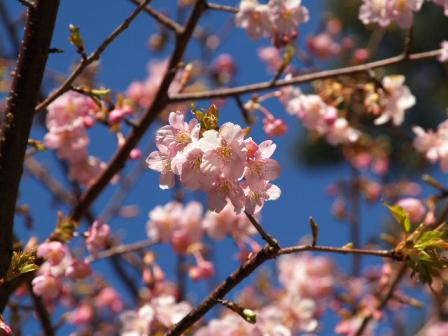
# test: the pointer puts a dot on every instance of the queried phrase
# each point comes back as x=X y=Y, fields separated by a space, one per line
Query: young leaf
x=401 y=216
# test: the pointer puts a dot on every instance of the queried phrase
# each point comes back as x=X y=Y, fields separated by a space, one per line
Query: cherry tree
x=214 y=147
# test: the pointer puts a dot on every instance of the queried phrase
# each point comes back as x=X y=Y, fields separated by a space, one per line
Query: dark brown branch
x=159 y=103
x=161 y=18
x=16 y=121
x=266 y=236
x=41 y=312
x=94 y=56
x=223 y=93
x=249 y=266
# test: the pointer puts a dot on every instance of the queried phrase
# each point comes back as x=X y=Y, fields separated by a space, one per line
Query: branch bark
x=16 y=121
x=231 y=92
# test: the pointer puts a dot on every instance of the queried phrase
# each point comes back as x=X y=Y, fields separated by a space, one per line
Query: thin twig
x=94 y=56
x=161 y=18
x=121 y=249
x=230 y=92
x=222 y=8
x=266 y=236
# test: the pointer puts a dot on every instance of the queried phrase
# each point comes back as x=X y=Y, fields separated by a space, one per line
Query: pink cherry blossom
x=161 y=161
x=97 y=237
x=78 y=270
x=323 y=46
x=414 y=207
x=69 y=107
x=272 y=57
x=86 y=170
x=384 y=12
x=82 y=314
x=287 y=15
x=433 y=145
x=53 y=252
x=70 y=140
x=307 y=276
x=109 y=298
x=47 y=286
x=222 y=190
x=135 y=154
x=227 y=222
x=178 y=134
x=224 y=151
x=203 y=270
x=274 y=127
x=397 y=99
x=258 y=194
x=255 y=18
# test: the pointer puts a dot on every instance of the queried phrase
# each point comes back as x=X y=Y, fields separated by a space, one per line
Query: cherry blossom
x=47 y=286
x=255 y=18
x=286 y=15
x=384 y=12
x=97 y=237
x=414 y=207
x=397 y=99
x=53 y=252
x=433 y=145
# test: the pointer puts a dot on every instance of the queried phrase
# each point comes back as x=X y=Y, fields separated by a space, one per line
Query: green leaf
x=249 y=315
x=401 y=216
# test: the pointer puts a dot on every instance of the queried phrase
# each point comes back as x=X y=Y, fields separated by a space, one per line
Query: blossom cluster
x=59 y=263
x=385 y=12
x=317 y=116
x=221 y=162
x=68 y=119
x=433 y=144
x=184 y=227
x=278 y=18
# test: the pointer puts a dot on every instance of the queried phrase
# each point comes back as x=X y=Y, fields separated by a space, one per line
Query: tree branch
x=16 y=121
x=162 y=19
x=250 y=266
x=223 y=93
x=159 y=103
x=94 y=56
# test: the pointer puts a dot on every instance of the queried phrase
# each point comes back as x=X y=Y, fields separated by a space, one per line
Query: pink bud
x=116 y=116
x=203 y=270
x=78 y=270
x=414 y=207
x=88 y=121
x=361 y=54
x=47 y=286
x=108 y=297
x=135 y=154
x=53 y=252
x=83 y=314
x=274 y=127
x=97 y=237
